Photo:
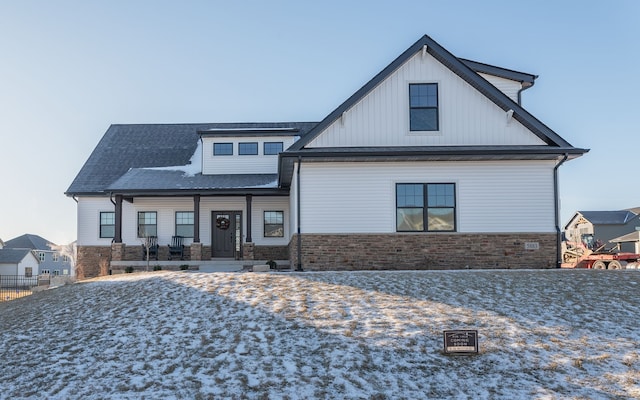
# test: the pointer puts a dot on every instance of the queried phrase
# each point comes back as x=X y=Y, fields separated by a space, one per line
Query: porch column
x=249 y=239
x=117 y=237
x=196 y=218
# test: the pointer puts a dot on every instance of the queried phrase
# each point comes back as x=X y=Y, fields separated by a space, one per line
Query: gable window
x=429 y=207
x=184 y=223
x=273 y=224
x=272 y=148
x=223 y=149
x=107 y=224
x=248 y=149
x=147 y=224
x=423 y=103
x=55 y=257
x=41 y=256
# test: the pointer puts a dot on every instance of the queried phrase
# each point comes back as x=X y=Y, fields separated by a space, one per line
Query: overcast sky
x=69 y=69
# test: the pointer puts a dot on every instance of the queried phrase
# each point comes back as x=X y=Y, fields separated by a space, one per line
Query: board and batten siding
x=89 y=209
x=466 y=117
x=245 y=164
x=490 y=196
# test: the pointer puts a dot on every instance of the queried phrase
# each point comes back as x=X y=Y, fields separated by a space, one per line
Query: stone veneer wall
x=89 y=259
x=423 y=251
x=271 y=253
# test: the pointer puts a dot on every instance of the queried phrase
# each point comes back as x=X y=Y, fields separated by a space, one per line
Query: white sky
x=69 y=69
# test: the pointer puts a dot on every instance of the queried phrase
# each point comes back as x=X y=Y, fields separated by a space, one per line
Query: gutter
x=556 y=198
x=299 y=264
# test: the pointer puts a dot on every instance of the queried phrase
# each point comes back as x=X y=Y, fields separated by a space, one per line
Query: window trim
x=265 y=224
x=264 y=148
x=216 y=153
x=437 y=108
x=426 y=207
x=100 y=225
x=175 y=220
x=240 y=153
x=138 y=223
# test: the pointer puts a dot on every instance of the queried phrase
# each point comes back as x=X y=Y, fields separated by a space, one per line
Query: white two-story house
x=431 y=164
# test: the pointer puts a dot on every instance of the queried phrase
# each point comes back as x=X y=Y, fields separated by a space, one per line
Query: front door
x=227 y=234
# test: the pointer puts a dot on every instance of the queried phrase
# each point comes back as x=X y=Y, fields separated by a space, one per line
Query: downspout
x=299 y=265
x=556 y=197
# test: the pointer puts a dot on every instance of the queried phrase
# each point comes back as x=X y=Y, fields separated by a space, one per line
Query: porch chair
x=176 y=247
x=152 y=241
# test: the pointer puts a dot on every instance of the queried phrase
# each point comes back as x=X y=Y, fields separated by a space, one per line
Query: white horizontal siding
x=89 y=217
x=491 y=196
x=245 y=164
x=466 y=117
x=88 y=220
x=506 y=86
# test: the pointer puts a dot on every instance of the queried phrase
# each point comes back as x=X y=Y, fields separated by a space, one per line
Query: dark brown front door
x=227 y=234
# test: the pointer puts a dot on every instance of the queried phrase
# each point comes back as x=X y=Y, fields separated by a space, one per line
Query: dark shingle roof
x=28 y=241
x=140 y=179
x=12 y=256
x=608 y=217
x=150 y=145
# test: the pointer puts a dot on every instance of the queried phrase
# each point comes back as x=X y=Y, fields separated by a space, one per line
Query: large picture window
x=147 y=224
x=273 y=224
x=107 y=224
x=423 y=103
x=425 y=207
x=184 y=223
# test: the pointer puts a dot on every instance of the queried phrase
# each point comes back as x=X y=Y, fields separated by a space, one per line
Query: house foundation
x=424 y=251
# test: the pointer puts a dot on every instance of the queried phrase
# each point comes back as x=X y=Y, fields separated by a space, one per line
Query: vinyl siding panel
x=88 y=221
x=506 y=86
x=245 y=164
x=89 y=218
x=490 y=196
x=466 y=117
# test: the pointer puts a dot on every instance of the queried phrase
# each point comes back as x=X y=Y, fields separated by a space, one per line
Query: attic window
x=423 y=104
x=223 y=149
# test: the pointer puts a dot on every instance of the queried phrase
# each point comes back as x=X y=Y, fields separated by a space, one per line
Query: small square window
x=223 y=149
x=272 y=148
x=273 y=224
x=248 y=149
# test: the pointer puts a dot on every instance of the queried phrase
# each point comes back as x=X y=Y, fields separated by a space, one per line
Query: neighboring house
x=50 y=260
x=589 y=227
x=18 y=262
x=428 y=165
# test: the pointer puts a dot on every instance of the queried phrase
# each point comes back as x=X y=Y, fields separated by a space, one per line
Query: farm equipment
x=578 y=255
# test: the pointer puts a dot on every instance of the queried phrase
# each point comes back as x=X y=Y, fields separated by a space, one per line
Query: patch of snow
x=545 y=334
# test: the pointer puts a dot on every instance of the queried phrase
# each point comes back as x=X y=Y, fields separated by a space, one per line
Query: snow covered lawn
x=543 y=334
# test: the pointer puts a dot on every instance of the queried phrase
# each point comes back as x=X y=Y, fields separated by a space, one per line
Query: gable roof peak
x=427 y=45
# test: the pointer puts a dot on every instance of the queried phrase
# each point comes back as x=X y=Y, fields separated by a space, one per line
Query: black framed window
x=248 y=149
x=107 y=224
x=273 y=224
x=423 y=103
x=271 y=148
x=429 y=207
x=223 y=149
x=184 y=223
x=147 y=224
